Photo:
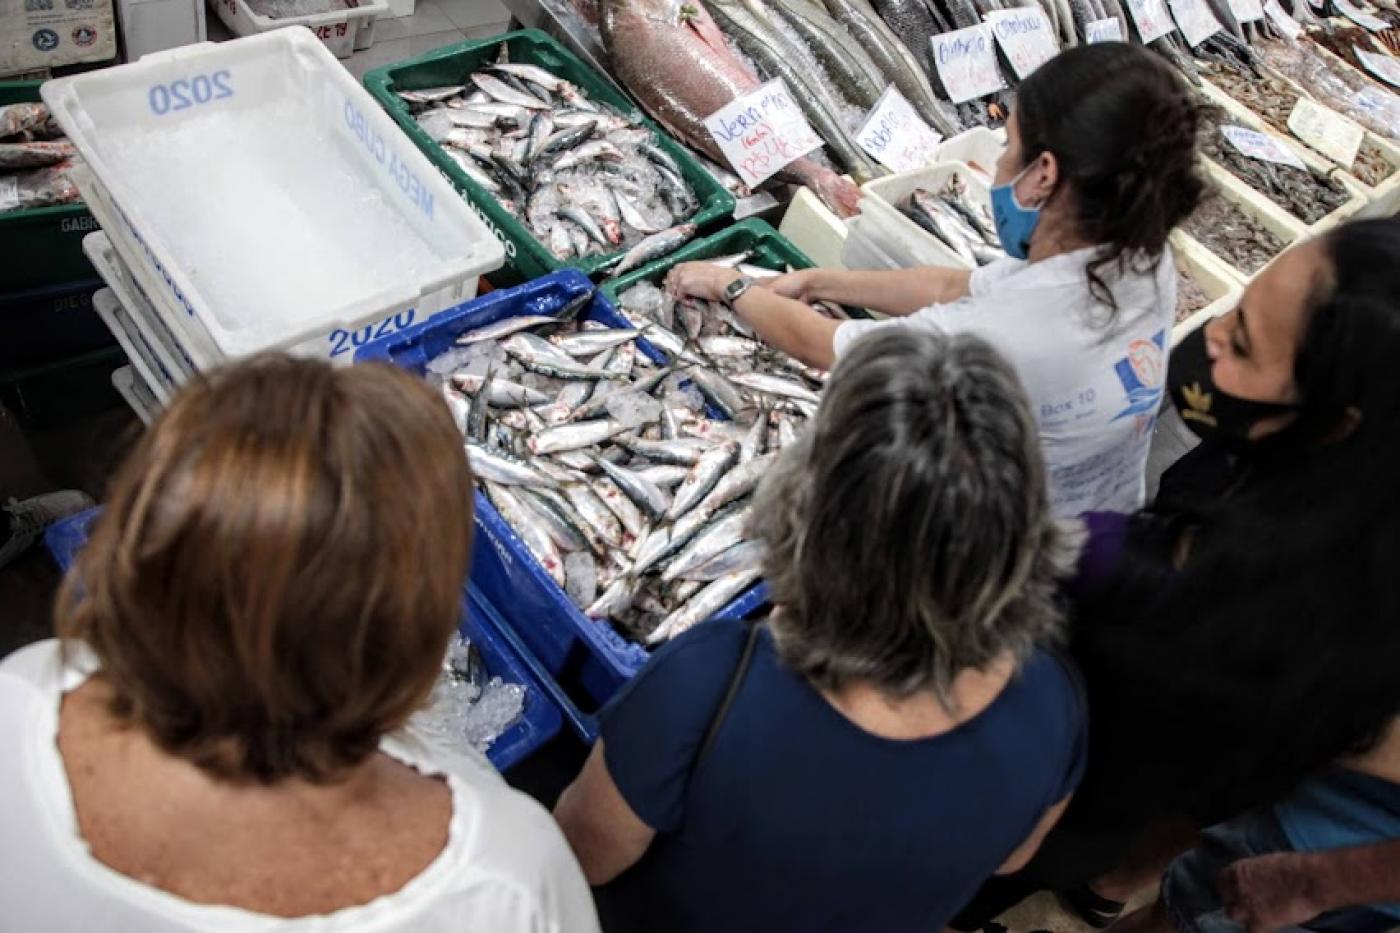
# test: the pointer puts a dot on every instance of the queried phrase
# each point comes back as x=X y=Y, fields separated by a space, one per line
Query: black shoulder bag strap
x=736 y=680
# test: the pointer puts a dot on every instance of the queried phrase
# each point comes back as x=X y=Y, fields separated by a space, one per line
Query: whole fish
x=704 y=604
x=675 y=61
x=574 y=436
x=707 y=545
x=664 y=475
x=506 y=94
x=655 y=246
x=596 y=513
x=645 y=494
x=460 y=408
x=504 y=328
x=683 y=451
x=528 y=525
x=556 y=523
x=598 y=149
x=719 y=391
x=742 y=555
x=735 y=484
x=541 y=357
x=858 y=79
x=502 y=394
x=702 y=479
x=500 y=467
x=620 y=505
x=616 y=599
x=591 y=342
x=431 y=95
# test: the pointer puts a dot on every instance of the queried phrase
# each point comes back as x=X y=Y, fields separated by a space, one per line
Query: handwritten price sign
x=1153 y=20
x=1024 y=35
x=1382 y=66
x=1104 y=30
x=1329 y=133
x=895 y=136
x=1281 y=20
x=1257 y=145
x=967 y=62
x=762 y=132
x=1195 y=19
x=1247 y=11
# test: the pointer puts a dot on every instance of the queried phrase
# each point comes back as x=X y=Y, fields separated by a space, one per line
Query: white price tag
x=1360 y=17
x=967 y=62
x=761 y=132
x=1382 y=66
x=895 y=136
x=1260 y=146
x=1153 y=20
x=1247 y=11
x=1195 y=19
x=1328 y=132
x=1284 y=23
x=1104 y=30
x=1024 y=35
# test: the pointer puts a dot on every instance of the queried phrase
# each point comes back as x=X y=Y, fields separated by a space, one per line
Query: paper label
x=967 y=62
x=1382 y=66
x=1361 y=17
x=1104 y=30
x=1247 y=11
x=1260 y=146
x=1281 y=20
x=9 y=192
x=1328 y=132
x=762 y=132
x=1195 y=19
x=1153 y=20
x=1024 y=35
x=894 y=135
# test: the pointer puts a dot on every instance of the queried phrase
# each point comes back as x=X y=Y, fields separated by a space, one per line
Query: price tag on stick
x=1195 y=19
x=895 y=136
x=1261 y=146
x=1104 y=30
x=967 y=62
x=1382 y=66
x=1152 y=19
x=762 y=132
x=1024 y=35
x=1247 y=11
x=1328 y=132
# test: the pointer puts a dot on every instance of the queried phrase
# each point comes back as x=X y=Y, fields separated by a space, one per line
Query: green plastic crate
x=526 y=256
x=64 y=390
x=43 y=246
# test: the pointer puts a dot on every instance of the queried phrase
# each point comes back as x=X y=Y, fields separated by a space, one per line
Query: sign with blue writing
x=895 y=136
x=1195 y=19
x=1104 y=30
x=762 y=132
x=966 y=60
x=1153 y=20
x=1024 y=35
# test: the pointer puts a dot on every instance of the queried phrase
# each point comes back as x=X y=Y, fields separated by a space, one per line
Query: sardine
x=645 y=494
x=704 y=604
x=527 y=523
x=707 y=545
x=702 y=479
x=500 y=467
x=655 y=246
x=742 y=555
x=502 y=394
x=575 y=435
x=506 y=94
x=683 y=451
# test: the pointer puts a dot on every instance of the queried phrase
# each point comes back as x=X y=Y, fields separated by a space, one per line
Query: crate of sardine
x=945 y=207
x=559 y=162
x=615 y=465
x=264 y=201
x=1233 y=225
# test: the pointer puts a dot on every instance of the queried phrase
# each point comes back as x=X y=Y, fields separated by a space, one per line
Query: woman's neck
x=922 y=714
x=1055 y=234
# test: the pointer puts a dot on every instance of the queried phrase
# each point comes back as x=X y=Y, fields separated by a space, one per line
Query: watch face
x=736 y=288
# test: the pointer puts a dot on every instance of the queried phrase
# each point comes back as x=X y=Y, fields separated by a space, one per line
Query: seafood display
x=1306 y=194
x=1273 y=99
x=627 y=478
x=583 y=177
x=1343 y=89
x=1230 y=233
x=1189 y=296
x=1342 y=41
x=35 y=159
x=956 y=220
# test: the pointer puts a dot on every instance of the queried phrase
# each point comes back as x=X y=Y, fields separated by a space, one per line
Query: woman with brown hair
x=218 y=741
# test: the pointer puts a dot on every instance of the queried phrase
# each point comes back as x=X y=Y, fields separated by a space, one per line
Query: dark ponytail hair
x=1122 y=127
x=1273 y=650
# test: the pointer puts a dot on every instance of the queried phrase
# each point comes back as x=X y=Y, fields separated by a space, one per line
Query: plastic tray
x=526 y=256
x=41 y=246
x=1219 y=281
x=331 y=122
x=587 y=658
x=815 y=229
x=1273 y=218
x=137 y=395
x=49 y=322
x=883 y=194
x=134 y=344
x=977 y=148
x=541 y=719
x=165 y=346
x=344 y=32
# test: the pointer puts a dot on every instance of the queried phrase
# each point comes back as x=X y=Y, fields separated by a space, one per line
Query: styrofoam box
x=343 y=31
x=1220 y=282
x=165 y=346
x=815 y=229
x=1274 y=219
x=263 y=201
x=882 y=194
x=130 y=387
x=139 y=354
x=977 y=148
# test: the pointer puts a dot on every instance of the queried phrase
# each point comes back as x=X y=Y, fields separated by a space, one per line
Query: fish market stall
x=1206 y=287
x=1236 y=228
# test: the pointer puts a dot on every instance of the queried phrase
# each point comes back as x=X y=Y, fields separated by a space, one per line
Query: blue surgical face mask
x=1015 y=223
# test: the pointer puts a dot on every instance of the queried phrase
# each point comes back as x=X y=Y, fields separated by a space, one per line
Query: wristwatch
x=735 y=289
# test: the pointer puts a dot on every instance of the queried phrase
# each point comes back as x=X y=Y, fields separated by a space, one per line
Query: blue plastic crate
x=588 y=660
x=47 y=323
x=541 y=718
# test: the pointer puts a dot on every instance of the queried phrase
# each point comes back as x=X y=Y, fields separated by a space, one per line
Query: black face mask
x=1207 y=410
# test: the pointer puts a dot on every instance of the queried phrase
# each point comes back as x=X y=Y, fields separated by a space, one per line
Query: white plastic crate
x=137 y=349
x=343 y=31
x=1220 y=282
x=815 y=229
x=1270 y=216
x=882 y=194
x=978 y=148
x=137 y=395
x=264 y=201
x=165 y=345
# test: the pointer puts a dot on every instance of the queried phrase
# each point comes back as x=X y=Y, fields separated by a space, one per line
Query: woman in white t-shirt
x=221 y=741
x=1099 y=167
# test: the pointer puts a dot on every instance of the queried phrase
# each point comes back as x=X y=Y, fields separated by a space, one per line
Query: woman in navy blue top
x=896 y=731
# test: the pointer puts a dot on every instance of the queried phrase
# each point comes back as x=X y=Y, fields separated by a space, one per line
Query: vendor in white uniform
x=1099 y=167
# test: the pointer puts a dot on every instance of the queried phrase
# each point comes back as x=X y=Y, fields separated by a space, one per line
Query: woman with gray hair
x=896 y=732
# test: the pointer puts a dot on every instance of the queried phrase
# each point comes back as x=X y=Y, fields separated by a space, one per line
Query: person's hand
x=801 y=285
x=1269 y=892
x=702 y=280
